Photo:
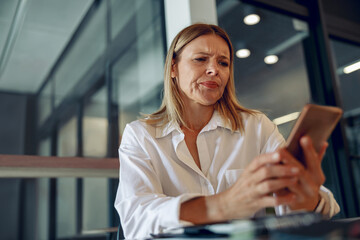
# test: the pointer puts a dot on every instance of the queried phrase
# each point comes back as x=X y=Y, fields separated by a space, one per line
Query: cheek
x=225 y=78
x=188 y=78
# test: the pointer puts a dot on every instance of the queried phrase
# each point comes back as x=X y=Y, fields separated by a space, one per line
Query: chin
x=209 y=102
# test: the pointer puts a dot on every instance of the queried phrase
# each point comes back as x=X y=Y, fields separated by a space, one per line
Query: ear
x=173 y=69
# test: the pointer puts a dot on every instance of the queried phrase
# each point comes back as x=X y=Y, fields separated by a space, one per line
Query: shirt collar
x=215 y=122
x=166 y=129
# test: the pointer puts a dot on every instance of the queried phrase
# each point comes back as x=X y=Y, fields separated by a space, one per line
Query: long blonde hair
x=172 y=105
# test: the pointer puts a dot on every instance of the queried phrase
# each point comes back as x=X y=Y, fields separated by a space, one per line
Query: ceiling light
x=352 y=68
x=287 y=118
x=271 y=59
x=243 y=53
x=251 y=19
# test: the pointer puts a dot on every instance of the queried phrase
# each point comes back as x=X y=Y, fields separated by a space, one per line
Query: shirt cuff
x=173 y=210
x=327 y=206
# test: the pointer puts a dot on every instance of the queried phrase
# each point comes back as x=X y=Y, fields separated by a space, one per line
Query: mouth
x=210 y=84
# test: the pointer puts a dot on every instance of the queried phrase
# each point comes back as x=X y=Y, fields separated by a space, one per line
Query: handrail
x=26 y=166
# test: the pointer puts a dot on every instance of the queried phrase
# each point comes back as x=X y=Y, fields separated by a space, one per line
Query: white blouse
x=158 y=173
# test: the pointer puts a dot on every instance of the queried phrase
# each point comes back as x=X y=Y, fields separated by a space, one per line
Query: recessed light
x=271 y=59
x=243 y=53
x=352 y=68
x=251 y=19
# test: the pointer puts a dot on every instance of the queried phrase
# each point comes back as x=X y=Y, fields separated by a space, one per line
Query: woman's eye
x=225 y=64
x=200 y=59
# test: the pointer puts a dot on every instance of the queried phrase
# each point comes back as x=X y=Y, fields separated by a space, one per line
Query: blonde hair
x=171 y=109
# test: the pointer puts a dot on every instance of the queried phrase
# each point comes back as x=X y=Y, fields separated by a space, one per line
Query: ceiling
x=34 y=33
x=265 y=87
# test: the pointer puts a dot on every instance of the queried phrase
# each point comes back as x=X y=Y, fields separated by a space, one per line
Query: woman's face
x=203 y=70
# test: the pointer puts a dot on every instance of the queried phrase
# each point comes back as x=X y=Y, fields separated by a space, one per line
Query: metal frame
x=53 y=192
x=79 y=181
x=113 y=128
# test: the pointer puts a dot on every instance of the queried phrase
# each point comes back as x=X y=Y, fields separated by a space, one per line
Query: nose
x=212 y=69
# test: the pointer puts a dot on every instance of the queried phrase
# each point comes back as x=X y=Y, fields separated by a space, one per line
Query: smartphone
x=317 y=122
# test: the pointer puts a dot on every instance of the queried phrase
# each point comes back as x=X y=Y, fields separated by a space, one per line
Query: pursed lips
x=210 y=84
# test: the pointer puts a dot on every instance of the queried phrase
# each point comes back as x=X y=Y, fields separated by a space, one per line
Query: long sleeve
x=142 y=206
x=327 y=205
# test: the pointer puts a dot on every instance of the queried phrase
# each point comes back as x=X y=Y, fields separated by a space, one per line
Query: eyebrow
x=205 y=53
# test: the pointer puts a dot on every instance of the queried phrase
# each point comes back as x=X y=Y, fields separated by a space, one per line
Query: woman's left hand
x=310 y=177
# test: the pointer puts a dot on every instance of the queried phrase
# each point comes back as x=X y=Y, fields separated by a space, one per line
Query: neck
x=197 y=116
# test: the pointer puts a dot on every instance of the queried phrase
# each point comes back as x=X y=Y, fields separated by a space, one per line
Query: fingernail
x=304 y=140
x=276 y=156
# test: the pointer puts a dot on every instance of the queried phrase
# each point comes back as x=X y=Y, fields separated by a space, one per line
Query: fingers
x=305 y=186
x=281 y=172
x=311 y=156
x=313 y=159
x=264 y=159
x=307 y=194
x=273 y=201
x=273 y=171
x=323 y=150
x=288 y=159
x=273 y=185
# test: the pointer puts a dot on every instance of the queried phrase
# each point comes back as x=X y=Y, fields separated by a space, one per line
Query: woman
x=204 y=158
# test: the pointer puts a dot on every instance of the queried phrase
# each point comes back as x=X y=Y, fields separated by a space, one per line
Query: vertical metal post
x=53 y=192
x=112 y=116
x=21 y=210
x=79 y=181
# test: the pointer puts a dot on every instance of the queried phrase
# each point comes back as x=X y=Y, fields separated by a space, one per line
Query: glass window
x=44 y=148
x=67 y=141
x=95 y=190
x=347 y=58
x=270 y=72
x=347 y=68
x=84 y=52
x=44 y=104
x=96 y=203
x=66 y=187
x=95 y=125
x=42 y=207
x=128 y=13
x=125 y=10
x=66 y=207
x=138 y=72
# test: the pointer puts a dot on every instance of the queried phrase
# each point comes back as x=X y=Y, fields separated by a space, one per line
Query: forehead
x=210 y=43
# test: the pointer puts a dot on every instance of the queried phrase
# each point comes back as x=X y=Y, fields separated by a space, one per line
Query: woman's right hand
x=254 y=189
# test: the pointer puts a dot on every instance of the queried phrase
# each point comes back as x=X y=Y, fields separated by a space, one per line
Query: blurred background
x=73 y=73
